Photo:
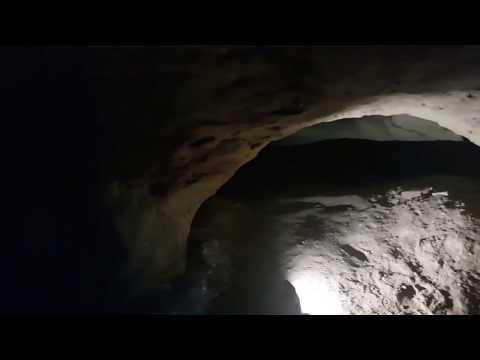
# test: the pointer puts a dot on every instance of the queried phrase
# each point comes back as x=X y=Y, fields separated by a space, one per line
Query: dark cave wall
x=115 y=148
x=60 y=249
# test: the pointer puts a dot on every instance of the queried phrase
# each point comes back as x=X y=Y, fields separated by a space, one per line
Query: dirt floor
x=397 y=245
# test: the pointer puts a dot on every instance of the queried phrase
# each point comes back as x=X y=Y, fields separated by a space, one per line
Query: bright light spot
x=315 y=295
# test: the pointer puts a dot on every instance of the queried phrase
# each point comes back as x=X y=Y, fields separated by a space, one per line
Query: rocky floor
x=339 y=227
x=408 y=246
x=412 y=251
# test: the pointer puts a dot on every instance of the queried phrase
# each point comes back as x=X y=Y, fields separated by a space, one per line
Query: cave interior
x=272 y=180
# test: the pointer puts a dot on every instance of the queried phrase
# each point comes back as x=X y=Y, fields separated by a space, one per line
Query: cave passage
x=298 y=205
x=341 y=226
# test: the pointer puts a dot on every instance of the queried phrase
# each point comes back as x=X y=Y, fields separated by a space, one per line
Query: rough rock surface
x=378 y=128
x=405 y=247
x=152 y=132
x=410 y=254
x=183 y=119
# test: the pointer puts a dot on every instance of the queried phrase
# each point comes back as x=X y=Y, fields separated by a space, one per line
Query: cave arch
x=211 y=165
x=456 y=111
x=233 y=109
x=258 y=183
x=174 y=123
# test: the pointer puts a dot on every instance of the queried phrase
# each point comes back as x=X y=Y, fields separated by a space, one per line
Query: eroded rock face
x=184 y=119
x=378 y=128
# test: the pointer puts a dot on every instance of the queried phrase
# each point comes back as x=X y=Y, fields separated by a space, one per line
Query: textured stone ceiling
x=184 y=119
x=377 y=128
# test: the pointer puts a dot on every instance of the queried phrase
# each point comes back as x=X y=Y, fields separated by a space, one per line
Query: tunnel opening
x=105 y=210
x=357 y=216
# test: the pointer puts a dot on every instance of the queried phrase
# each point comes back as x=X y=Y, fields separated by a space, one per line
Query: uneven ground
x=392 y=245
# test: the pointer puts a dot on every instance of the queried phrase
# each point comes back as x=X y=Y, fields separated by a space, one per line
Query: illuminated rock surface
x=387 y=245
x=378 y=128
x=399 y=249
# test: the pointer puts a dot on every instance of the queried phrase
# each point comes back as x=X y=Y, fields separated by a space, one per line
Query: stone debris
x=411 y=254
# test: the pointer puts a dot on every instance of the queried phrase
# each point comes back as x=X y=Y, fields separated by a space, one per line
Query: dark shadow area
x=61 y=254
x=272 y=297
x=341 y=164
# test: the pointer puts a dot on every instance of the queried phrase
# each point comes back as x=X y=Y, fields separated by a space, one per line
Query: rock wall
x=378 y=128
x=182 y=120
